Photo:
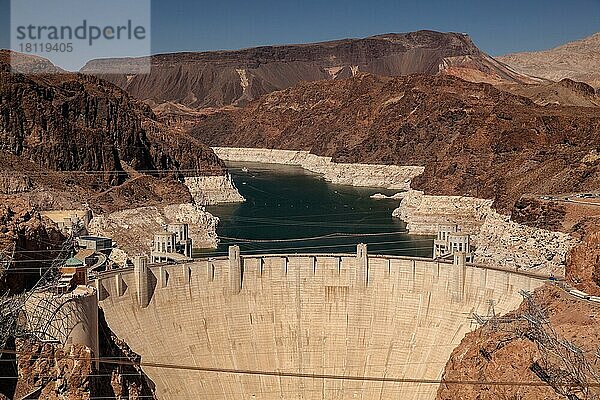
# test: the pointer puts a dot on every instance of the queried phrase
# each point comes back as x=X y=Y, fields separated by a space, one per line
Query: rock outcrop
x=472 y=139
x=33 y=241
x=424 y=213
x=52 y=372
x=134 y=229
x=583 y=261
x=511 y=349
x=220 y=78
x=506 y=243
x=498 y=240
x=210 y=190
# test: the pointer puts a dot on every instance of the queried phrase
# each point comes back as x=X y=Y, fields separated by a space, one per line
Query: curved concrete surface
x=329 y=314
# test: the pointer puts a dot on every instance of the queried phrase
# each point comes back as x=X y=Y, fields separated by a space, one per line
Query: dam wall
x=350 y=315
x=367 y=175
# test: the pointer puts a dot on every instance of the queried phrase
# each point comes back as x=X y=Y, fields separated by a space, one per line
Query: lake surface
x=291 y=210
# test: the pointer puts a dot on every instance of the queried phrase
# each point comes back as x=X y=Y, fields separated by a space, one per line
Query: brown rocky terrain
x=75 y=137
x=49 y=371
x=32 y=240
x=583 y=262
x=55 y=372
x=578 y=60
x=511 y=349
x=548 y=215
x=473 y=139
x=566 y=92
x=219 y=78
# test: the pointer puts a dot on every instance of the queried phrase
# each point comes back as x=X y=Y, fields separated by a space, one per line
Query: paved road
x=569 y=199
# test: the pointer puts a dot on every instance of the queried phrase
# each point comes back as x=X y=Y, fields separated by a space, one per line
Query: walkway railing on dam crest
x=234 y=269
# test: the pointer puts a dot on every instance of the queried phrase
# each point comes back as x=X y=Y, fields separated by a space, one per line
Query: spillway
x=339 y=317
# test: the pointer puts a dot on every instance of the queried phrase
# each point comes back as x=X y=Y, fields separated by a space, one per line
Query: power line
x=232 y=240
x=301 y=375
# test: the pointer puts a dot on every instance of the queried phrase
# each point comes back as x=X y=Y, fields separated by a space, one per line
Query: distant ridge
x=578 y=60
x=220 y=78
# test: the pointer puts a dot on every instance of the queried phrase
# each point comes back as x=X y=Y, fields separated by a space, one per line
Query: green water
x=291 y=210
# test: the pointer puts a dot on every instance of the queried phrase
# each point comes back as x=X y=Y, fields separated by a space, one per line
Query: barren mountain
x=578 y=60
x=472 y=138
x=26 y=63
x=214 y=79
x=94 y=131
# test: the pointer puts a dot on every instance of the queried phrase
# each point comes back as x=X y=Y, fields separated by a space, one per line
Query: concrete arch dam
x=344 y=315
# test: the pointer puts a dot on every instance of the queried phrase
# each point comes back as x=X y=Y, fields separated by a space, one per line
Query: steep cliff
x=98 y=134
x=472 y=138
x=31 y=239
x=214 y=79
x=583 y=263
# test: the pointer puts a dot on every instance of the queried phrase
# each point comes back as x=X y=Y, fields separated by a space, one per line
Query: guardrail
x=578 y=293
x=529 y=274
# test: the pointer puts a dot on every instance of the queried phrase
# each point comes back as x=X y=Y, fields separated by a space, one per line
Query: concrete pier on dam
x=342 y=315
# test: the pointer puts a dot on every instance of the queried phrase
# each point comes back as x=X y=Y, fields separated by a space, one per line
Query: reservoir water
x=291 y=210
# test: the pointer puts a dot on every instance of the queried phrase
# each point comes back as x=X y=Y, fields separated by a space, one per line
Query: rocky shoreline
x=211 y=190
x=498 y=240
x=365 y=175
x=133 y=230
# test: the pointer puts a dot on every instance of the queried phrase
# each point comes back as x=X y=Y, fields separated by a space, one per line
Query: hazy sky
x=497 y=27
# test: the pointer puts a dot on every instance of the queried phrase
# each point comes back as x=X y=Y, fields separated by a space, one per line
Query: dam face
x=342 y=315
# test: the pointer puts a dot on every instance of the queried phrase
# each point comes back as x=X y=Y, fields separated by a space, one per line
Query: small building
x=164 y=242
x=451 y=240
x=89 y=257
x=96 y=243
x=172 y=245
x=73 y=273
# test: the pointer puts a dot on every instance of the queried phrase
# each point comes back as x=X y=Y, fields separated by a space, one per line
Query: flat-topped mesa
x=221 y=78
x=276 y=312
